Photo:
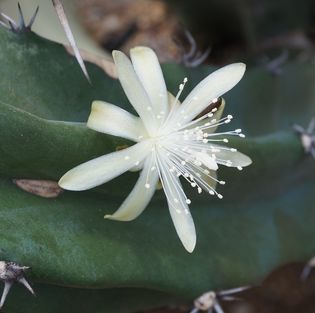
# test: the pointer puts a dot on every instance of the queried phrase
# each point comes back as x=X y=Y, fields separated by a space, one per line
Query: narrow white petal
x=134 y=90
x=111 y=119
x=104 y=168
x=148 y=69
x=234 y=158
x=140 y=196
x=178 y=207
x=213 y=86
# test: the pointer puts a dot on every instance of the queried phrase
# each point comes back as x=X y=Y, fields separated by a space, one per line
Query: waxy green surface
x=266 y=217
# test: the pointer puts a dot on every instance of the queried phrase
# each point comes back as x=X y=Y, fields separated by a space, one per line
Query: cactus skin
x=266 y=213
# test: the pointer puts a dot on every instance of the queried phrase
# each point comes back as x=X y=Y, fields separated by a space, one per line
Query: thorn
x=7 y=287
x=209 y=301
x=21 y=17
x=24 y=282
x=21 y=27
x=193 y=57
x=192 y=43
x=275 y=65
x=32 y=20
x=233 y=291
x=11 y=272
x=4 y=25
x=308 y=269
x=306 y=272
x=66 y=27
x=307 y=137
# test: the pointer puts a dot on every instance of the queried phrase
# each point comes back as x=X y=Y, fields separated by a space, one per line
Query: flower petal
x=213 y=86
x=140 y=196
x=234 y=158
x=135 y=91
x=148 y=69
x=178 y=207
x=111 y=119
x=102 y=169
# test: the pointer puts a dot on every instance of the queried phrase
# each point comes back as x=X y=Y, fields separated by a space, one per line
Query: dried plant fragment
x=42 y=188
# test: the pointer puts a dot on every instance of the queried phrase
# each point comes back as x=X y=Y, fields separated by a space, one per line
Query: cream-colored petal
x=111 y=119
x=148 y=69
x=178 y=207
x=235 y=158
x=135 y=92
x=102 y=169
x=140 y=196
x=207 y=160
x=213 y=86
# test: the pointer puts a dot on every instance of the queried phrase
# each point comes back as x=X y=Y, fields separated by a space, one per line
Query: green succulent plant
x=83 y=263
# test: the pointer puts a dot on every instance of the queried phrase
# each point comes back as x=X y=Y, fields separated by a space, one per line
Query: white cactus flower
x=170 y=141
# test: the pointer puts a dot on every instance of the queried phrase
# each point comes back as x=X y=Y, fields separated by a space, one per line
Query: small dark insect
x=21 y=26
x=209 y=301
x=10 y=273
x=307 y=137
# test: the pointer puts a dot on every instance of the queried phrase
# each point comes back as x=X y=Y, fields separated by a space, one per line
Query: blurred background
x=259 y=31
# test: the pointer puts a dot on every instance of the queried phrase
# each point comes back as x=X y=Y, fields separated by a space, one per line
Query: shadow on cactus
x=265 y=215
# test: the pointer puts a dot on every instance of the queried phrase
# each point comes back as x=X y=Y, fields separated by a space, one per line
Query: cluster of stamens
x=190 y=150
